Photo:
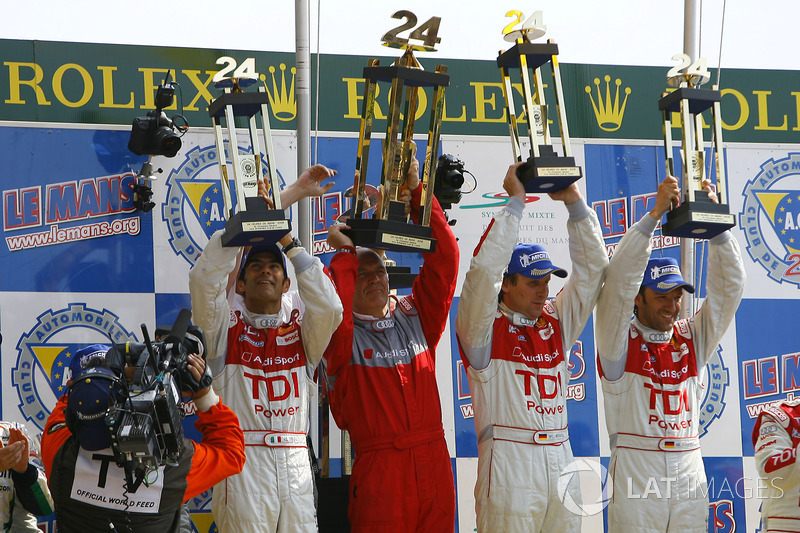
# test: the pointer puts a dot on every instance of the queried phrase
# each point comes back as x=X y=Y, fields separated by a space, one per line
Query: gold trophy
x=544 y=171
x=697 y=217
x=390 y=228
x=254 y=223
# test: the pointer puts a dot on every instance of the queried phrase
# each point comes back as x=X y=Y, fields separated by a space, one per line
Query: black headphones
x=118 y=391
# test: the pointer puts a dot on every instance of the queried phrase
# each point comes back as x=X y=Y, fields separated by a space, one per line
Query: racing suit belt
x=401 y=441
x=545 y=437
x=658 y=444
x=274 y=439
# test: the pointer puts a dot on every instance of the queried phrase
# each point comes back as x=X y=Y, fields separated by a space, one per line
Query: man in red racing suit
x=380 y=372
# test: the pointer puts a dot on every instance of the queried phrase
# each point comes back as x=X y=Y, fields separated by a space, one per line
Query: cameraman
x=90 y=490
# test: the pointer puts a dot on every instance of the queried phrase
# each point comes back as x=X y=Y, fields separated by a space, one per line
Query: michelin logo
x=770 y=218
x=528 y=259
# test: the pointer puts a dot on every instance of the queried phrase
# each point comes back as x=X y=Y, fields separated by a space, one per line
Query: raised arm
x=587 y=252
x=434 y=286
x=323 y=309
x=338 y=354
x=210 y=309
x=478 y=303
x=724 y=289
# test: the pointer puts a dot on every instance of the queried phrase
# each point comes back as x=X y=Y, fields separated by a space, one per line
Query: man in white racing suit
x=650 y=369
x=263 y=358
x=776 y=436
x=516 y=353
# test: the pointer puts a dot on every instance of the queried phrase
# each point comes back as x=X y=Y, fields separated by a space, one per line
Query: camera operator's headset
x=118 y=391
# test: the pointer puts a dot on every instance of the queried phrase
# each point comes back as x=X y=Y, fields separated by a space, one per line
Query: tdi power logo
x=769 y=218
x=194 y=209
x=46 y=350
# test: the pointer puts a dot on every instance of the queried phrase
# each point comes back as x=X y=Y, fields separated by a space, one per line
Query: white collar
x=518 y=319
x=652 y=335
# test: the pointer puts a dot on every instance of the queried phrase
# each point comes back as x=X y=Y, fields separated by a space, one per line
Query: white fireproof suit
x=266 y=377
x=653 y=416
x=519 y=398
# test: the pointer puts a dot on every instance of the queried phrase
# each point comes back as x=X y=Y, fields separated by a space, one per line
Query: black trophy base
x=390 y=235
x=548 y=172
x=400 y=277
x=256 y=228
x=701 y=219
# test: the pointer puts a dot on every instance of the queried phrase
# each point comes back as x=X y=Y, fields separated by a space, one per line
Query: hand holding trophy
x=390 y=228
x=700 y=215
x=254 y=222
x=545 y=170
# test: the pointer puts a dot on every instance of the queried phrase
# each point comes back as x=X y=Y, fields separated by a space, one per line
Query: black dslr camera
x=449 y=179
x=145 y=424
x=155 y=134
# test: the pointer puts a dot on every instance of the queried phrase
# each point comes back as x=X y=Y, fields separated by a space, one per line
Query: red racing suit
x=89 y=488
x=776 y=437
x=264 y=365
x=652 y=388
x=518 y=376
x=382 y=388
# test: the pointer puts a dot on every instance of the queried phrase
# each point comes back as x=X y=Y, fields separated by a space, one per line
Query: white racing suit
x=652 y=388
x=776 y=436
x=518 y=377
x=263 y=367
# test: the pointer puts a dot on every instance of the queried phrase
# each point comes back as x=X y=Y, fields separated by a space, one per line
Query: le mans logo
x=193 y=209
x=770 y=218
x=40 y=375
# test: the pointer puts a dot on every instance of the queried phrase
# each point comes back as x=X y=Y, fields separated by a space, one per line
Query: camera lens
x=166 y=142
x=453 y=178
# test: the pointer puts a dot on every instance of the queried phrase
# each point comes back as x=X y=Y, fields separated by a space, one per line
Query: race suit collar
x=518 y=319
x=263 y=321
x=652 y=335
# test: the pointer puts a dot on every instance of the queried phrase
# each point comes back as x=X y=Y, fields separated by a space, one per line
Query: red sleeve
x=434 y=287
x=220 y=453
x=55 y=434
x=344 y=269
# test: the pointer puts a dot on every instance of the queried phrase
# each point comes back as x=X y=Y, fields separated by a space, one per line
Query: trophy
x=697 y=216
x=544 y=171
x=254 y=222
x=390 y=228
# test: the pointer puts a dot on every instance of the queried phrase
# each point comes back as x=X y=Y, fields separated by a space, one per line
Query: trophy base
x=400 y=277
x=699 y=99
x=391 y=235
x=549 y=172
x=536 y=55
x=262 y=227
x=701 y=219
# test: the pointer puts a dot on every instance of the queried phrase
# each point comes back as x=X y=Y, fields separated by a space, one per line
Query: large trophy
x=697 y=216
x=254 y=223
x=544 y=171
x=390 y=228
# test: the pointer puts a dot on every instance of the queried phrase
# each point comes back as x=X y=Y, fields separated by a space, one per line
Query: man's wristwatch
x=292 y=245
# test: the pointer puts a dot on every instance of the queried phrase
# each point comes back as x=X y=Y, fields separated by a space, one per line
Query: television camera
x=145 y=422
x=155 y=134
